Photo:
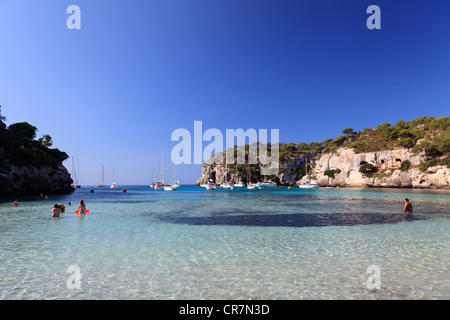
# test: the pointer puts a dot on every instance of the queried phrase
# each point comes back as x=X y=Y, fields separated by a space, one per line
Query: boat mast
x=78 y=170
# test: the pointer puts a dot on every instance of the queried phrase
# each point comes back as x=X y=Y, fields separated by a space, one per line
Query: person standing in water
x=408 y=207
x=82 y=207
x=15 y=203
x=56 y=211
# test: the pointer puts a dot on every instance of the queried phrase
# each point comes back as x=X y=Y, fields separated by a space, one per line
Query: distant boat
x=114 y=185
x=176 y=184
x=211 y=186
x=159 y=185
x=308 y=184
x=269 y=184
x=152 y=185
x=251 y=186
x=226 y=185
x=75 y=173
x=239 y=185
x=169 y=188
x=101 y=185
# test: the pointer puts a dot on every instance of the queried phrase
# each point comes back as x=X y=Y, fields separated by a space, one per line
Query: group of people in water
x=60 y=208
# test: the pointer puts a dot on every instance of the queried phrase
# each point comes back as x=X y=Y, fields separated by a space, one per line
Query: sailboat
x=308 y=184
x=152 y=185
x=114 y=185
x=237 y=184
x=226 y=184
x=176 y=184
x=75 y=174
x=251 y=186
x=210 y=185
x=101 y=185
x=160 y=183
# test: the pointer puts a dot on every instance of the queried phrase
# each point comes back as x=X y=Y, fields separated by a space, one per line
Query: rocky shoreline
x=31 y=180
x=388 y=175
x=342 y=169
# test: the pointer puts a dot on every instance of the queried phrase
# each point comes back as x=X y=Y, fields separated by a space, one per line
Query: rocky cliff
x=30 y=179
x=30 y=166
x=342 y=168
x=388 y=173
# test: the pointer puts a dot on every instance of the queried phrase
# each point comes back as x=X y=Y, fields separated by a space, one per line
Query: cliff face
x=286 y=175
x=388 y=173
x=30 y=166
x=386 y=162
x=31 y=179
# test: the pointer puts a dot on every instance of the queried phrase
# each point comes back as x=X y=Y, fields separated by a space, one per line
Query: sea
x=278 y=243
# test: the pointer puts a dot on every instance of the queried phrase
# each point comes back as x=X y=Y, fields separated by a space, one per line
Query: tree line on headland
x=426 y=136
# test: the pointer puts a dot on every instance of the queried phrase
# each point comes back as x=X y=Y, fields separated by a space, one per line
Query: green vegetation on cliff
x=429 y=134
x=19 y=145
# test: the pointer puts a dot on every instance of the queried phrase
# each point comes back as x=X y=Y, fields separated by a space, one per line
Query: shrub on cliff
x=427 y=164
x=368 y=169
x=331 y=173
x=405 y=165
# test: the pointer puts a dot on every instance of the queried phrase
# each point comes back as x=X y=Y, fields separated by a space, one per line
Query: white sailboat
x=238 y=184
x=101 y=185
x=114 y=185
x=176 y=184
x=250 y=185
x=226 y=184
x=75 y=173
x=152 y=185
x=268 y=184
x=308 y=184
x=160 y=183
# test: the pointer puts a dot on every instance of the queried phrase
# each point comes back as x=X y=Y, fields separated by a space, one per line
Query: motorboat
x=308 y=185
x=268 y=184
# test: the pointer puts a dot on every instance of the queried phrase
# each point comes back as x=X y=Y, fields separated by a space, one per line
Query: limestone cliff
x=30 y=166
x=388 y=170
x=345 y=160
x=31 y=179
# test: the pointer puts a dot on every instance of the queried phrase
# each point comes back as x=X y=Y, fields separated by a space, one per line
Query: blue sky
x=114 y=91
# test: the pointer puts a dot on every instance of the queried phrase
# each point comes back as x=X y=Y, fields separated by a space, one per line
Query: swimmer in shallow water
x=408 y=209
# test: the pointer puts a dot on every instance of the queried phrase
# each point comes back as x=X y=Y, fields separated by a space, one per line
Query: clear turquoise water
x=142 y=245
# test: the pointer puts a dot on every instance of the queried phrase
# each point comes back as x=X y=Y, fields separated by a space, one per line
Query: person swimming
x=408 y=207
x=56 y=211
x=15 y=203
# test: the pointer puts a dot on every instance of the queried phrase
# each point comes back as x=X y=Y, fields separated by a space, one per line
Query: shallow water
x=197 y=244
